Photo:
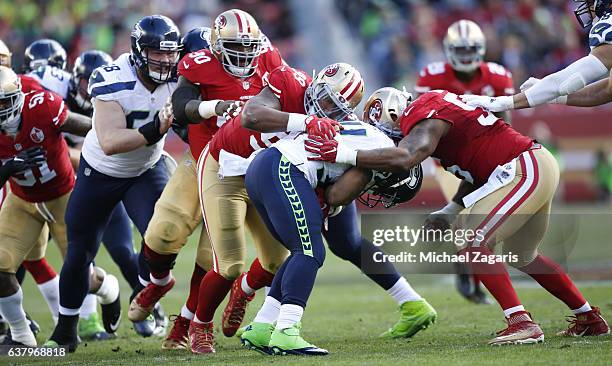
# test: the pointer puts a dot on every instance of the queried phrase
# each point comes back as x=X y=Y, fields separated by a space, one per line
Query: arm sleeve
x=184 y=93
x=569 y=80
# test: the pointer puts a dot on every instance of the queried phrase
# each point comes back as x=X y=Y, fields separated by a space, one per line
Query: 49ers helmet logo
x=37 y=135
x=375 y=111
x=331 y=70
x=221 y=21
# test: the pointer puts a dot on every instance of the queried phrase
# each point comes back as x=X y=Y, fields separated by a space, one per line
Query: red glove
x=322 y=127
x=324 y=150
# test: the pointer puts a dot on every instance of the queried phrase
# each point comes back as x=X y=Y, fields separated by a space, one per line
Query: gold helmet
x=334 y=92
x=383 y=109
x=11 y=100
x=236 y=41
x=5 y=55
x=464 y=45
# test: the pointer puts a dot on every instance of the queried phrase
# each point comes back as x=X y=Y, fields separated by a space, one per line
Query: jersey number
x=199 y=57
x=29 y=179
x=485 y=119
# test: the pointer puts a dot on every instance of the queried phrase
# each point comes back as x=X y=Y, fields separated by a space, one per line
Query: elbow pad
x=567 y=81
x=181 y=96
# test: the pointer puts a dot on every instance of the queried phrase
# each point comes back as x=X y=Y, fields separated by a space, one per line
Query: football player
x=465 y=72
x=596 y=14
x=284 y=107
x=121 y=160
x=39 y=194
x=509 y=195
x=234 y=69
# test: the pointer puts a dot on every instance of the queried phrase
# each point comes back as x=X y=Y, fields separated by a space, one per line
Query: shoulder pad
x=601 y=32
x=112 y=78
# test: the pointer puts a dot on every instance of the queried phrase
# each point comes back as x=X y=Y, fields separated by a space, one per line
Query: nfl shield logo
x=37 y=135
x=246 y=85
x=18 y=147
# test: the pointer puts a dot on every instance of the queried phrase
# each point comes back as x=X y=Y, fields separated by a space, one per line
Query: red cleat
x=142 y=305
x=178 y=337
x=201 y=338
x=521 y=330
x=587 y=324
x=235 y=308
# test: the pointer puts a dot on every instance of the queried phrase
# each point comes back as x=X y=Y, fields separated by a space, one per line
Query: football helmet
x=156 y=33
x=84 y=66
x=44 y=52
x=590 y=10
x=195 y=40
x=464 y=45
x=5 y=55
x=236 y=42
x=383 y=109
x=334 y=92
x=390 y=189
x=11 y=100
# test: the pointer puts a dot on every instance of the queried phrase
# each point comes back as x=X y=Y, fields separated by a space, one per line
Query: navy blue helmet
x=589 y=9
x=44 y=52
x=84 y=66
x=159 y=34
x=390 y=189
x=195 y=40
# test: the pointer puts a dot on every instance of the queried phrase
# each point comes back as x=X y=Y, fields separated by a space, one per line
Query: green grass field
x=345 y=314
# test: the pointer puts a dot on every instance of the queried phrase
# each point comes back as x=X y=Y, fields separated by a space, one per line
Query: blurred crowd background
x=390 y=40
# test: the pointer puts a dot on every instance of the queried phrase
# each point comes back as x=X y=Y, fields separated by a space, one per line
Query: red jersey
x=477 y=141
x=289 y=85
x=42 y=116
x=204 y=70
x=29 y=84
x=492 y=80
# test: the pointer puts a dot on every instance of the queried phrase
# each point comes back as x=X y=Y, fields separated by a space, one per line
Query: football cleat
x=256 y=336
x=288 y=341
x=111 y=315
x=414 y=317
x=521 y=330
x=586 y=324
x=145 y=328
x=161 y=320
x=233 y=314
x=178 y=337
x=34 y=327
x=28 y=340
x=91 y=329
x=142 y=305
x=241 y=331
x=70 y=346
x=201 y=338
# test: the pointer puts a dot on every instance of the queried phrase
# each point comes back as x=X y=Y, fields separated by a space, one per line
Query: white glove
x=492 y=104
x=529 y=83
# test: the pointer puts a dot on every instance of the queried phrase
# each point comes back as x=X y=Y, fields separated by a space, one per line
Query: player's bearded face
x=161 y=64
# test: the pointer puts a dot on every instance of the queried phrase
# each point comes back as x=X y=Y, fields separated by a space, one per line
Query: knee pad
x=168 y=231
x=231 y=271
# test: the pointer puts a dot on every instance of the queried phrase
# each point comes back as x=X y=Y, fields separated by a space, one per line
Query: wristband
x=346 y=155
x=150 y=131
x=507 y=101
x=206 y=109
x=296 y=122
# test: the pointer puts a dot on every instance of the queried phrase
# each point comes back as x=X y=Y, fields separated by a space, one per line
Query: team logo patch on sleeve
x=37 y=135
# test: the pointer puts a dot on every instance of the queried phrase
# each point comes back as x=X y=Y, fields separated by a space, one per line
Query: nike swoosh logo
x=185 y=65
x=115 y=326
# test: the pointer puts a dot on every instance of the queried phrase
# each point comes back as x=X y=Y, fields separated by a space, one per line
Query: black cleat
x=111 y=315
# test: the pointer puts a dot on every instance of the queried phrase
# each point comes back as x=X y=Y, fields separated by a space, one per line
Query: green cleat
x=288 y=341
x=414 y=317
x=256 y=336
x=91 y=329
x=241 y=331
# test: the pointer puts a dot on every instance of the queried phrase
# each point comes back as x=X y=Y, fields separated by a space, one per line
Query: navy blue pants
x=90 y=207
x=289 y=207
x=345 y=241
x=119 y=243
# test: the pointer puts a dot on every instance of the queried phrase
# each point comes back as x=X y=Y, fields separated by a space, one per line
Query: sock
x=213 y=290
x=194 y=289
x=90 y=306
x=553 y=278
x=11 y=309
x=40 y=270
x=268 y=313
x=186 y=313
x=50 y=291
x=256 y=278
x=512 y=310
x=289 y=315
x=156 y=261
x=66 y=328
x=143 y=282
x=495 y=278
x=162 y=281
x=583 y=309
x=109 y=290
x=402 y=292
x=197 y=320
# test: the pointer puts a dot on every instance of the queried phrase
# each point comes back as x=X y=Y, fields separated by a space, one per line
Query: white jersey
x=53 y=79
x=601 y=31
x=356 y=135
x=118 y=82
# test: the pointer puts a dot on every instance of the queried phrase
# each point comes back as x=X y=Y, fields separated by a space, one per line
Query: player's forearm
x=392 y=159
x=121 y=140
x=595 y=94
x=76 y=124
x=185 y=102
x=348 y=187
x=261 y=118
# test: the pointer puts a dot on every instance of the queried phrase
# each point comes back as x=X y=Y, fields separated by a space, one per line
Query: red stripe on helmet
x=239 y=21
x=348 y=86
x=355 y=90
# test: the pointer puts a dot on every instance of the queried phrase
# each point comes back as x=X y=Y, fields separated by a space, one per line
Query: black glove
x=150 y=131
x=181 y=130
x=27 y=159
